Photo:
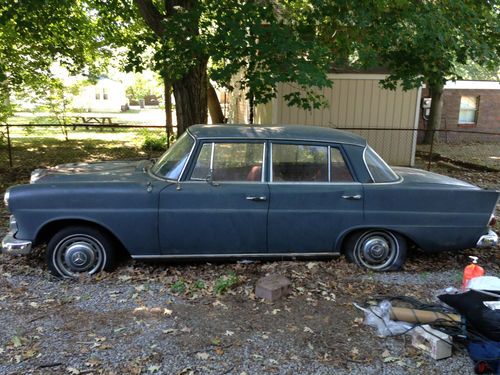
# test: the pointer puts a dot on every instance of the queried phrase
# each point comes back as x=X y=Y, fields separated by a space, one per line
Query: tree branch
x=151 y=16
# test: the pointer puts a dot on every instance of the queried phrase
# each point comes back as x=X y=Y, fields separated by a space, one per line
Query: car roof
x=276 y=132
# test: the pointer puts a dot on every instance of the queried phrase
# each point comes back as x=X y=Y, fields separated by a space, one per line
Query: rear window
x=379 y=170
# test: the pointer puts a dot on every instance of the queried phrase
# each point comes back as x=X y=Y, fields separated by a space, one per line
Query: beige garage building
x=357 y=103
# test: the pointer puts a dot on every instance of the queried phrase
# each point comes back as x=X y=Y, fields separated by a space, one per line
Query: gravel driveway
x=137 y=320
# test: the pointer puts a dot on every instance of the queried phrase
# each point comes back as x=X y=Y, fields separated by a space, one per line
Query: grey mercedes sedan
x=244 y=192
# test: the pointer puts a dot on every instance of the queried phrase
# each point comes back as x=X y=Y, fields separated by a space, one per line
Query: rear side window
x=299 y=163
x=377 y=167
x=338 y=168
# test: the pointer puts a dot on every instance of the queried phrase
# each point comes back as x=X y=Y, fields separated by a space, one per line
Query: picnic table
x=93 y=120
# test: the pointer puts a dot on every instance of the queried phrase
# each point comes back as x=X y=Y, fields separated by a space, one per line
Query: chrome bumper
x=11 y=245
x=488 y=240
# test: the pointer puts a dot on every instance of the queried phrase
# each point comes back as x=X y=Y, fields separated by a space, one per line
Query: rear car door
x=313 y=197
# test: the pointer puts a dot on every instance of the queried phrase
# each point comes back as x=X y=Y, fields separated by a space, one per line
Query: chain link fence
x=49 y=144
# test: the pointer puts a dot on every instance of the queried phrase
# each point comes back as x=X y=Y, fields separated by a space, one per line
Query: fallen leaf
x=16 y=341
x=153 y=368
x=203 y=355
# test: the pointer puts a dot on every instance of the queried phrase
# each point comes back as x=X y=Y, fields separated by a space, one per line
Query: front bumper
x=488 y=240
x=12 y=245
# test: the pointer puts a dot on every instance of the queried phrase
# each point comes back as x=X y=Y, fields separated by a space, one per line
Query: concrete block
x=272 y=287
x=436 y=343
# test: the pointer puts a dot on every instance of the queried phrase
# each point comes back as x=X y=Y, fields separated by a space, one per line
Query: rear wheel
x=377 y=250
x=79 y=250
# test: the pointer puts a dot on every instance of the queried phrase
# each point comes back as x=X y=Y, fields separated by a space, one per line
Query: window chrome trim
x=212 y=154
x=398 y=181
x=285 y=140
x=181 y=175
x=329 y=159
x=263 y=166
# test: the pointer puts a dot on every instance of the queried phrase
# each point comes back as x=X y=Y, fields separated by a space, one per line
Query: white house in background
x=107 y=95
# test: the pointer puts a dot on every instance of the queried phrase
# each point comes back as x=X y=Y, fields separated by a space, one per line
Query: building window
x=105 y=93
x=97 y=94
x=468 y=110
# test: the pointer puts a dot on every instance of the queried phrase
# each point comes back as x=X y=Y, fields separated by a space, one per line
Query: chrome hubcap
x=80 y=256
x=376 y=250
x=77 y=254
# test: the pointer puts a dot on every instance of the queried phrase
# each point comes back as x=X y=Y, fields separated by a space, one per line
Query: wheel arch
x=344 y=237
x=48 y=229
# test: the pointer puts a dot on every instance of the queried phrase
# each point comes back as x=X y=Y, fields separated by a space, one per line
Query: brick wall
x=488 y=117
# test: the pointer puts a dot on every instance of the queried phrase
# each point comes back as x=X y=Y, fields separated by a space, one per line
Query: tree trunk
x=214 y=106
x=434 y=122
x=168 y=108
x=190 y=93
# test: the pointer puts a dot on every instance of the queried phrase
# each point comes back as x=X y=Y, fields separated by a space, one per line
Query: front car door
x=313 y=197
x=220 y=207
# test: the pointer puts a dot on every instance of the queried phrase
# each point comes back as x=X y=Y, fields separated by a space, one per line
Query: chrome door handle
x=256 y=199
x=352 y=197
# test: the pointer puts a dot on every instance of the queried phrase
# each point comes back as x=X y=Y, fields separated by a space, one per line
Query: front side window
x=379 y=170
x=236 y=161
x=468 y=110
x=171 y=163
x=299 y=163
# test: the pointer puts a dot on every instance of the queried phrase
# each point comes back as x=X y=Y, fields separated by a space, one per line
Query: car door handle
x=256 y=199
x=352 y=197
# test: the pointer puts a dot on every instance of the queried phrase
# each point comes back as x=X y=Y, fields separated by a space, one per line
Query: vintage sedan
x=244 y=192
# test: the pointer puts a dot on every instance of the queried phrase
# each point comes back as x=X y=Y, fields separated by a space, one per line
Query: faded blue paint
x=153 y=216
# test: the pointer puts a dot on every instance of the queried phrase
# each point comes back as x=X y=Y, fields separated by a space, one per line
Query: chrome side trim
x=14 y=246
x=488 y=240
x=251 y=255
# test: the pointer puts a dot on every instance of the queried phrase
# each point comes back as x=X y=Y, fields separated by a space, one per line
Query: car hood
x=109 y=171
x=419 y=176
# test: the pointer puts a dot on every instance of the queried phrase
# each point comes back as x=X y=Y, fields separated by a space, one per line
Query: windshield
x=172 y=162
x=379 y=170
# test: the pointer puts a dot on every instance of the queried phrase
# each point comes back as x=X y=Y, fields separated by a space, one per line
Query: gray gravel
x=128 y=326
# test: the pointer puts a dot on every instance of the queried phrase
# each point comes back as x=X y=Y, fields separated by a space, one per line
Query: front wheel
x=77 y=250
x=377 y=250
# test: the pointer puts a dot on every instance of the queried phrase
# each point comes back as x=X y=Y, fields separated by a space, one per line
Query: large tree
x=428 y=42
x=260 y=42
x=35 y=34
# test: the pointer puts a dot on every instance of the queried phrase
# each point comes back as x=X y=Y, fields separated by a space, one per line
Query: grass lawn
x=145 y=116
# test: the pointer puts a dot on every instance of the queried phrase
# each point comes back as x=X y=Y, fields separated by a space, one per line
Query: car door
x=313 y=198
x=220 y=208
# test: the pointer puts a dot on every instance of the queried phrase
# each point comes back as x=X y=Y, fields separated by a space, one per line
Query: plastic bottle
x=471 y=271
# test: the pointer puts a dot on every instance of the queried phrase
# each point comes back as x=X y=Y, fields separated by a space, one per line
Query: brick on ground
x=272 y=287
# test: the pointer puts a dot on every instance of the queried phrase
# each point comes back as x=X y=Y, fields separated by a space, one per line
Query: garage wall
x=357 y=101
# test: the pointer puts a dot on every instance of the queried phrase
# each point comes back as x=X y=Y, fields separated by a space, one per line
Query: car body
x=238 y=191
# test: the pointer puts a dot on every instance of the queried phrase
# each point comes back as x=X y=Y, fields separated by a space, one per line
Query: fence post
x=431 y=149
x=9 y=145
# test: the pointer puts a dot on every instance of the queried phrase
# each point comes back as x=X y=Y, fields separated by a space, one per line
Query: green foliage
x=428 y=41
x=143 y=86
x=225 y=283
x=154 y=142
x=178 y=287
